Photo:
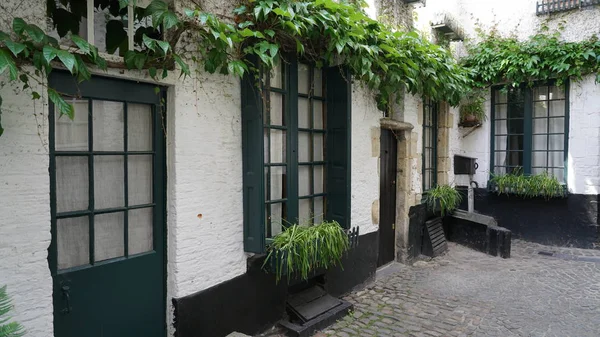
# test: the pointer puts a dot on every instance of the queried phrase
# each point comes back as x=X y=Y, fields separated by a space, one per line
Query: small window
x=430 y=135
x=104 y=24
x=529 y=127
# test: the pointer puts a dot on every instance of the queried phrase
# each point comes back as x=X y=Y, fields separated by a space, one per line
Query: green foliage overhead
x=444 y=198
x=8 y=328
x=325 y=32
x=537 y=185
x=298 y=250
x=496 y=59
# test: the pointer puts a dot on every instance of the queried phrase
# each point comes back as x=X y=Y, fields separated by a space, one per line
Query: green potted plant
x=472 y=108
x=443 y=199
x=8 y=329
x=300 y=250
x=537 y=185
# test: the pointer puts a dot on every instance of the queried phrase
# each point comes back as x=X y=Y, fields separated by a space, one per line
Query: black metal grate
x=553 y=6
x=435 y=244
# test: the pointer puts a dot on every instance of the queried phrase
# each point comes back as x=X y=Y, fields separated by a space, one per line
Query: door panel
x=387 y=197
x=107 y=202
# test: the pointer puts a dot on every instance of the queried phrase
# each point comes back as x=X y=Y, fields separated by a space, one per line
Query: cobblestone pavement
x=467 y=293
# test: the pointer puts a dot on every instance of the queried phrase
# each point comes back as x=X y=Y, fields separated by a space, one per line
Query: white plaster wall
x=583 y=166
x=364 y=158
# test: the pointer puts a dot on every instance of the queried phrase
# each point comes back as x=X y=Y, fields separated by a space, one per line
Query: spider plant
x=298 y=250
x=537 y=185
x=7 y=328
x=443 y=196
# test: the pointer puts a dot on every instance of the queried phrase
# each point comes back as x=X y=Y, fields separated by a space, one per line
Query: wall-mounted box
x=465 y=165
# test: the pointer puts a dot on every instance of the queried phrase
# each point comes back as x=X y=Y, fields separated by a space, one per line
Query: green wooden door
x=107 y=204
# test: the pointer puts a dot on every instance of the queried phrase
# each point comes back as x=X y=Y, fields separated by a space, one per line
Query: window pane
x=540 y=125
x=140 y=231
x=278 y=146
x=516 y=110
x=559 y=174
x=500 y=158
x=516 y=95
x=500 y=96
x=319 y=121
x=304 y=212
x=304 y=113
x=556 y=142
x=303 y=78
x=501 y=128
x=500 y=170
x=319 y=211
x=266 y=155
x=557 y=108
x=304 y=181
x=72 y=238
x=109 y=237
x=72 y=184
x=319 y=179
x=538 y=170
x=72 y=135
x=540 y=93
x=516 y=126
x=557 y=125
x=140 y=184
x=540 y=109
x=318 y=147
x=139 y=127
x=277 y=110
x=539 y=159
x=428 y=158
x=318 y=82
x=109 y=181
x=557 y=92
x=500 y=142
x=500 y=111
x=108 y=125
x=277 y=218
x=278 y=183
x=556 y=159
x=304 y=147
x=540 y=142
x=277 y=74
x=427 y=181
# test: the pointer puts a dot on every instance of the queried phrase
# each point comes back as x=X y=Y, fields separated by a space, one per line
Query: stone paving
x=467 y=293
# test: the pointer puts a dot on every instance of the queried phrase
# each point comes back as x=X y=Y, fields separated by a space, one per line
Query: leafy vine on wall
x=325 y=32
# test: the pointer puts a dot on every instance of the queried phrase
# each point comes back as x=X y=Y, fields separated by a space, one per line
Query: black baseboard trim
x=570 y=222
x=253 y=302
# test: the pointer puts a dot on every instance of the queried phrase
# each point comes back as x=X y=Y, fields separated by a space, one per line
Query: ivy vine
x=324 y=32
x=544 y=56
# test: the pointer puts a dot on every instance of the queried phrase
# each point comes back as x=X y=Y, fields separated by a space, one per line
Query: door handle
x=67 y=296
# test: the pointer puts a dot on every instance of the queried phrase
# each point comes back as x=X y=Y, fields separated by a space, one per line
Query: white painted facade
x=204 y=177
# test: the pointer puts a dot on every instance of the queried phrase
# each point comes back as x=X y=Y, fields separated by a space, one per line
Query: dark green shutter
x=339 y=102
x=252 y=151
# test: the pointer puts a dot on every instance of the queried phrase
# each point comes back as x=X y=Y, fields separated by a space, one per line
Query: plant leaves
x=15 y=47
x=6 y=61
x=67 y=59
x=19 y=25
x=83 y=45
x=61 y=106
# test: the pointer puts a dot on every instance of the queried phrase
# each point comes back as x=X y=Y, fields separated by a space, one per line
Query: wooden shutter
x=252 y=152
x=339 y=102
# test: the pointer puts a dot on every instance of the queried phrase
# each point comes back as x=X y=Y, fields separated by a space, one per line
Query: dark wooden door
x=107 y=206
x=387 y=197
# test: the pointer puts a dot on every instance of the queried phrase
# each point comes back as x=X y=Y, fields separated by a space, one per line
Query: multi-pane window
x=294 y=146
x=103 y=181
x=430 y=129
x=530 y=130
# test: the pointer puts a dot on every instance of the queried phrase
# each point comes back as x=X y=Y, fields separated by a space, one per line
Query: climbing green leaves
x=7 y=62
x=60 y=105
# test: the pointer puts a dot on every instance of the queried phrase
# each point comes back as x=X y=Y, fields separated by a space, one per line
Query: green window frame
x=296 y=149
x=530 y=129
x=430 y=139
